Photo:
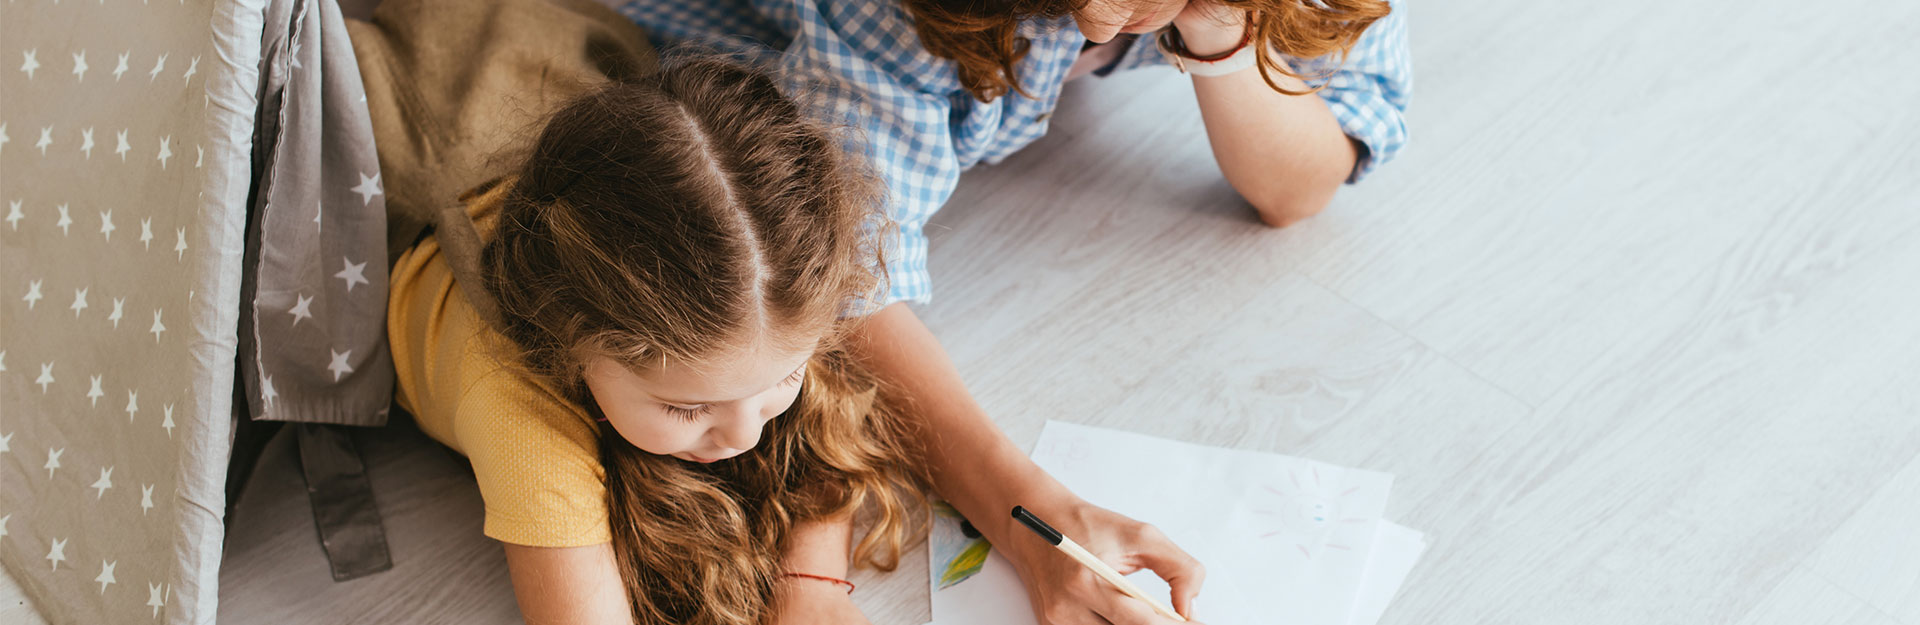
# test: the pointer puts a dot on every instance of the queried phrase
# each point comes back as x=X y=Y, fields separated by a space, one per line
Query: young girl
x=644 y=366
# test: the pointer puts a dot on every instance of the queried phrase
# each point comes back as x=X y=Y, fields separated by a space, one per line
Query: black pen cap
x=1038 y=526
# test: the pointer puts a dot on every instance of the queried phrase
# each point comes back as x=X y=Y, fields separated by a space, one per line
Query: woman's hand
x=1066 y=593
x=1210 y=28
x=803 y=601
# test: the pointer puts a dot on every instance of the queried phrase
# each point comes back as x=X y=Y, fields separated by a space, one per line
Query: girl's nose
x=740 y=431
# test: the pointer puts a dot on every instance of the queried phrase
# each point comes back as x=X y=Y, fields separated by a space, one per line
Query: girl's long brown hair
x=982 y=36
x=664 y=221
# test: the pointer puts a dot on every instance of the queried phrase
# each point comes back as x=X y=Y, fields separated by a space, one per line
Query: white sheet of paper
x=999 y=597
x=1286 y=541
x=1395 y=550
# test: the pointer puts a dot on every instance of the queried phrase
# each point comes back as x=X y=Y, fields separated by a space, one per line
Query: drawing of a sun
x=1304 y=514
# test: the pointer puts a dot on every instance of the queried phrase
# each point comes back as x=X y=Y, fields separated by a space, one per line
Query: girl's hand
x=805 y=601
x=1066 y=593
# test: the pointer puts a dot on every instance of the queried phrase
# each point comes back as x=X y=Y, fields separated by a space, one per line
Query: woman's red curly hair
x=982 y=36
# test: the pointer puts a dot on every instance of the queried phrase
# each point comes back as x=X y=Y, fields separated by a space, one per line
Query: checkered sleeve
x=840 y=69
x=1368 y=92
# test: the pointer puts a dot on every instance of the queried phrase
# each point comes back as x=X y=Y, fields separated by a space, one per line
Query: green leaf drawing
x=967 y=563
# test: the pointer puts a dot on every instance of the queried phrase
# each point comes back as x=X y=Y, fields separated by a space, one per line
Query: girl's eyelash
x=688 y=414
x=694 y=413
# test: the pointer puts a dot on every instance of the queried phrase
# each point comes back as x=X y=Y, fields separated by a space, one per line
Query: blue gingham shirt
x=859 y=64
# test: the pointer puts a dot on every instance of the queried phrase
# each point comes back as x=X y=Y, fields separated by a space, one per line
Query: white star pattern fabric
x=105 y=482
x=368 y=188
x=158 y=65
x=302 y=309
x=138 y=497
x=106 y=575
x=315 y=322
x=57 y=553
x=31 y=63
x=353 y=273
x=339 y=364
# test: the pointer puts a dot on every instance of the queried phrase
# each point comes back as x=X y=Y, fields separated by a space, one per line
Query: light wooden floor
x=1635 y=321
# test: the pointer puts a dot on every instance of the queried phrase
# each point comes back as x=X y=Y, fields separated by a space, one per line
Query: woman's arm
x=568 y=585
x=983 y=474
x=1286 y=154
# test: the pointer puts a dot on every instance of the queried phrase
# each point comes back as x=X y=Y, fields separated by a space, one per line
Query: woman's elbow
x=1286 y=208
x=1287 y=195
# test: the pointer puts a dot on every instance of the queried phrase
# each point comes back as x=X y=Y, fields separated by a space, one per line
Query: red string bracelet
x=824 y=578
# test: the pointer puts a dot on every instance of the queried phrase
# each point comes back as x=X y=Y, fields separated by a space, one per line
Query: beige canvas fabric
x=455 y=87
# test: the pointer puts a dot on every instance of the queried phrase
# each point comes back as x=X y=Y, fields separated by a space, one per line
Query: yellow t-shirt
x=534 y=453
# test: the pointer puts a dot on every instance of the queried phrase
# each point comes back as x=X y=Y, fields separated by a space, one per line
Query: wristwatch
x=1239 y=58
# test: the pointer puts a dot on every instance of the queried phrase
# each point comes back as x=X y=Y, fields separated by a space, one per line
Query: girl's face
x=702 y=415
x=1101 y=20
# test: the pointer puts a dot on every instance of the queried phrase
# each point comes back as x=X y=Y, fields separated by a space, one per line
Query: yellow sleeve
x=537 y=463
